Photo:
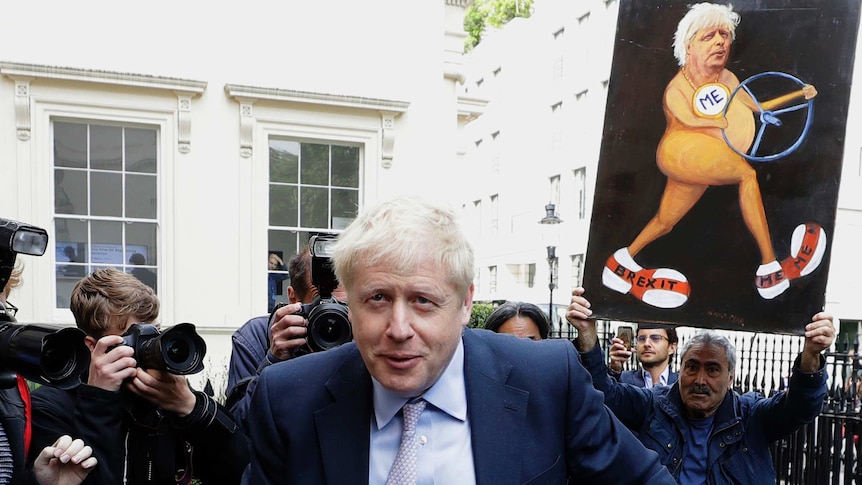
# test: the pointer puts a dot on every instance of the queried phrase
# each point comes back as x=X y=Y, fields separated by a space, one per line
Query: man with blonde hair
x=422 y=399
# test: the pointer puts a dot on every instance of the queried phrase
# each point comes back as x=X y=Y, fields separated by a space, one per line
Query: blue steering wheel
x=771 y=117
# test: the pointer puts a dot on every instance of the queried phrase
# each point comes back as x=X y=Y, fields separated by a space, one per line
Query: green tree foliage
x=495 y=13
x=480 y=314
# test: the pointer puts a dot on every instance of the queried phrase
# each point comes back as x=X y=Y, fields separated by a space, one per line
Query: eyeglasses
x=654 y=338
x=11 y=309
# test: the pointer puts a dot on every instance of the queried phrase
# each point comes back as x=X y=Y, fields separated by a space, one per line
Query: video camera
x=178 y=350
x=52 y=355
x=328 y=325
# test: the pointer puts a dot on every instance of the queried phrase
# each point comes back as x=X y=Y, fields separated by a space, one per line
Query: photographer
x=146 y=426
x=257 y=345
x=65 y=462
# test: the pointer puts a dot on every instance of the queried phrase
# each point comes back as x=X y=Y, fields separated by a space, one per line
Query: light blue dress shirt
x=443 y=432
x=662 y=379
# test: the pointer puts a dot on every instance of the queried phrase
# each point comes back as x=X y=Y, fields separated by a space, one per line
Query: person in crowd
x=65 y=461
x=703 y=430
x=274 y=278
x=420 y=398
x=146 y=275
x=145 y=425
x=656 y=344
x=256 y=345
x=524 y=320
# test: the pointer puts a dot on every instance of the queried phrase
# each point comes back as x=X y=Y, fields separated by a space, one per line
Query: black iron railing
x=827 y=451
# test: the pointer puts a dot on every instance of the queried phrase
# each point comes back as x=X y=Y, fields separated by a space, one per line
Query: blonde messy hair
x=406 y=232
x=701 y=16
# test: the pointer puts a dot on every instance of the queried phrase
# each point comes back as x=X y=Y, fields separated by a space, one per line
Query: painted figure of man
x=694 y=155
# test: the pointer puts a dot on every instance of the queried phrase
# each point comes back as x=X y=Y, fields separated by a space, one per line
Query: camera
x=53 y=355
x=328 y=325
x=178 y=350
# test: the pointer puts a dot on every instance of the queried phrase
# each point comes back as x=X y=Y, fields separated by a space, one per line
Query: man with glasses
x=655 y=345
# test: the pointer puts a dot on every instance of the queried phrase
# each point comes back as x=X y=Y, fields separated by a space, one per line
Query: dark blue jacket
x=744 y=426
x=533 y=415
x=248 y=358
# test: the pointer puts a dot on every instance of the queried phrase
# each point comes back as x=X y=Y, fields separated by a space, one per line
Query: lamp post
x=551 y=221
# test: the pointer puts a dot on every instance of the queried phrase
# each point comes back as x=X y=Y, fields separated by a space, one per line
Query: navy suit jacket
x=534 y=418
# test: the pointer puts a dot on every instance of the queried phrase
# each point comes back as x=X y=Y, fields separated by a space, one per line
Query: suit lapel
x=345 y=424
x=497 y=414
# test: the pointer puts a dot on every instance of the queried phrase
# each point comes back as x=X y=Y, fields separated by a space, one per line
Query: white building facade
x=545 y=79
x=167 y=129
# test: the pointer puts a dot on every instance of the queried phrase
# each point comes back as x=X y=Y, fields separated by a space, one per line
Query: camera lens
x=331 y=331
x=328 y=326
x=177 y=352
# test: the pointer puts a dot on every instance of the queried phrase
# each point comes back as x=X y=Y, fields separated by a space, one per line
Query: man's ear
x=468 y=306
x=730 y=382
x=671 y=350
x=291 y=295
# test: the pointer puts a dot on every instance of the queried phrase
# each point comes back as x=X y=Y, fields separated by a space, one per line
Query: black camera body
x=53 y=355
x=328 y=325
x=178 y=350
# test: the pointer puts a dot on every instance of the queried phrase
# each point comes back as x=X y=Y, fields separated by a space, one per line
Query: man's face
x=709 y=49
x=521 y=327
x=652 y=352
x=406 y=326
x=704 y=380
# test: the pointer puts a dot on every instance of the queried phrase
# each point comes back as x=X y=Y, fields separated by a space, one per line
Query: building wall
x=563 y=54
x=217 y=81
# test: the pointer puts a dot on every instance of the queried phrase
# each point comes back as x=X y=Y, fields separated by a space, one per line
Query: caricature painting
x=721 y=157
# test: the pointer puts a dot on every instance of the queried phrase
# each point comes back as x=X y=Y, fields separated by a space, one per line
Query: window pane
x=106 y=195
x=70 y=145
x=70 y=191
x=283 y=161
x=314 y=164
x=314 y=204
x=345 y=206
x=94 y=185
x=345 y=166
x=147 y=276
x=107 y=247
x=141 y=150
x=282 y=205
x=141 y=238
x=106 y=147
x=141 y=196
x=283 y=243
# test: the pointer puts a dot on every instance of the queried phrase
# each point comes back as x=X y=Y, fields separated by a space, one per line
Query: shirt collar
x=662 y=378
x=447 y=394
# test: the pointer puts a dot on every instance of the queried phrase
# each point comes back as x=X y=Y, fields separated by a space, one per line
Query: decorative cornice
x=34 y=71
x=247 y=96
x=24 y=74
x=470 y=108
x=306 y=97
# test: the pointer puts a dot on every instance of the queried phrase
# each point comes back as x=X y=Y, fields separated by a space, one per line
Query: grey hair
x=406 y=232
x=701 y=16
x=712 y=339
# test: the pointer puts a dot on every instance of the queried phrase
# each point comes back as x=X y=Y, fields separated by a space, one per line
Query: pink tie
x=403 y=471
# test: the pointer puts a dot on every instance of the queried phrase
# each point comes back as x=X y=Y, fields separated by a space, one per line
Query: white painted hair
x=701 y=16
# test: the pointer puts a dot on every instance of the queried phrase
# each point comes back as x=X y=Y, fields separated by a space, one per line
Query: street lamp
x=551 y=221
